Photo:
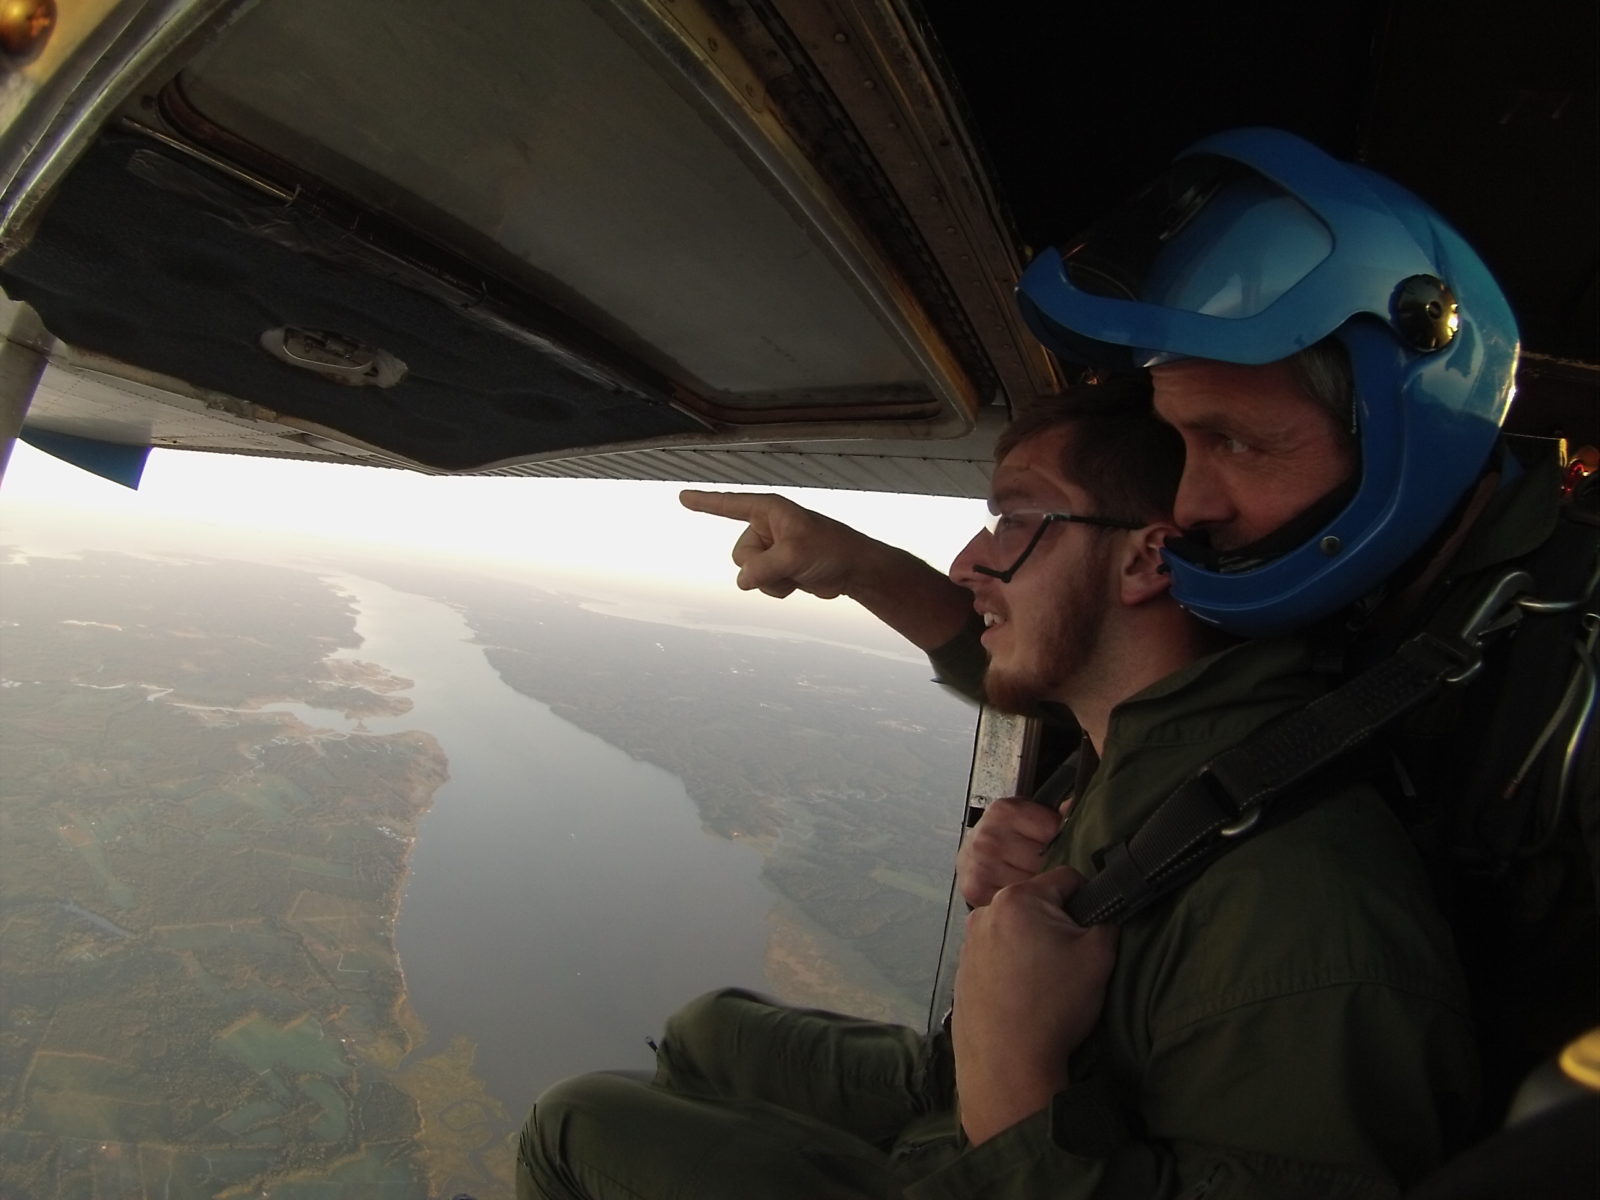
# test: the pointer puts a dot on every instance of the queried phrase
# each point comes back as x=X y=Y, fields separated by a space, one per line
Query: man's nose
x=971 y=554
x=1202 y=501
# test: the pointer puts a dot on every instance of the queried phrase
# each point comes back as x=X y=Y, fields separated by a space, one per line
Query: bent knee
x=707 y=1014
x=696 y=1038
x=574 y=1113
x=579 y=1129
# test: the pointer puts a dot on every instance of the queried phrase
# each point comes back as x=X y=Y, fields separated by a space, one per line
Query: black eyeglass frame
x=1048 y=519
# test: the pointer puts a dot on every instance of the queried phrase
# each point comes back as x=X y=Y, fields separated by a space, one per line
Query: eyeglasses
x=1008 y=529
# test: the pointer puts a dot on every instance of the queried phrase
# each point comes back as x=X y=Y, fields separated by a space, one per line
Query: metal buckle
x=1531 y=604
x=1223 y=799
x=1243 y=825
x=1498 y=610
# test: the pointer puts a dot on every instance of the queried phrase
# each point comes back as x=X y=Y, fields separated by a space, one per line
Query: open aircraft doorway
x=768 y=243
x=329 y=845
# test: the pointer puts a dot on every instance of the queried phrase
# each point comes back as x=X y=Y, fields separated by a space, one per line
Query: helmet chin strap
x=1195 y=546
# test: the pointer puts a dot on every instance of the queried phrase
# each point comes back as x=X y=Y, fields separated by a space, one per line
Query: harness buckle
x=1222 y=796
x=1499 y=609
x=1243 y=825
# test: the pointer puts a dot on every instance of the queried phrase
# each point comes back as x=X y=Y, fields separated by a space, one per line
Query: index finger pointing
x=738 y=506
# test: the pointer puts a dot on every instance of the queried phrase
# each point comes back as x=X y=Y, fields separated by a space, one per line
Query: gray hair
x=1323 y=373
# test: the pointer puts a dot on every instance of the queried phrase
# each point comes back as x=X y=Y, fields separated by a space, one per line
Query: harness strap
x=1227 y=798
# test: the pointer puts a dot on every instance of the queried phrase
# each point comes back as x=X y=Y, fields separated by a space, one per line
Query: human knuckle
x=1008 y=900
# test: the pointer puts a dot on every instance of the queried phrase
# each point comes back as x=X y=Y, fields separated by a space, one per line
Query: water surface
x=563 y=897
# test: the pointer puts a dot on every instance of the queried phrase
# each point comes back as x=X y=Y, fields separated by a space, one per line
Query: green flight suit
x=1292 y=1023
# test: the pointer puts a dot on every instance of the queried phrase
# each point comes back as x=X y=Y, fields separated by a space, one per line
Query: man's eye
x=1231 y=445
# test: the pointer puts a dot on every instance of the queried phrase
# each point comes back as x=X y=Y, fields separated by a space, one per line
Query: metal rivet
x=841 y=37
x=1330 y=545
x=25 y=24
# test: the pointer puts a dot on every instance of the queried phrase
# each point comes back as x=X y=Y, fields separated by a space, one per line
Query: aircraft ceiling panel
x=543 y=129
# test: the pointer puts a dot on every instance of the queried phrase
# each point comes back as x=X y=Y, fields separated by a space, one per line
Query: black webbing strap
x=1226 y=799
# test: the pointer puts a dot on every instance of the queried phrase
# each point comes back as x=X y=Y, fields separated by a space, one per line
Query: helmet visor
x=1211 y=260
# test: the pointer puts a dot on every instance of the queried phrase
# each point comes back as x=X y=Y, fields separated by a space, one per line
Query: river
x=562 y=897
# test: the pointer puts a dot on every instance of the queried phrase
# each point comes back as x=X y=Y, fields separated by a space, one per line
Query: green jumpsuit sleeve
x=959 y=664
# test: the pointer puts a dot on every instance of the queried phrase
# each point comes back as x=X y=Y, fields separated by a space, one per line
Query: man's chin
x=1011 y=694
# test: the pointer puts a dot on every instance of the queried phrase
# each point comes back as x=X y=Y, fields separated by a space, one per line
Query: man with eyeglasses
x=1225 y=1043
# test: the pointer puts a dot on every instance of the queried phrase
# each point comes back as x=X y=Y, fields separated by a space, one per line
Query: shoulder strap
x=1229 y=797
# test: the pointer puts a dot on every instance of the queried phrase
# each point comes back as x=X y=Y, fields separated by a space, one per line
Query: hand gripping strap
x=1226 y=799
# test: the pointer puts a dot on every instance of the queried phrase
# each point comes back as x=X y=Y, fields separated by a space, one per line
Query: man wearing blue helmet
x=1253 y=260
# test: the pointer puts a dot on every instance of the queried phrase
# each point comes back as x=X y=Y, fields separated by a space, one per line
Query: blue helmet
x=1254 y=246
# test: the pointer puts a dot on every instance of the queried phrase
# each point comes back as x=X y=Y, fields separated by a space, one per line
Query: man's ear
x=1142 y=571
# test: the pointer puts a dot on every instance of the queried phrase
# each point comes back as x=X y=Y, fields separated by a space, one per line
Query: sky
x=633 y=530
